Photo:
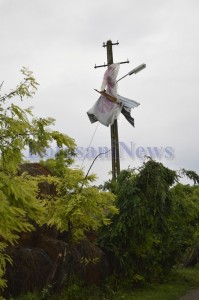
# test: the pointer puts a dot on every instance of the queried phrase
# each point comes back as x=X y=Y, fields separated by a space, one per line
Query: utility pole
x=114 y=126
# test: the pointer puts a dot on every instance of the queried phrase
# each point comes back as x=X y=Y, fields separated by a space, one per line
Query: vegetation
x=19 y=129
x=156 y=224
x=176 y=285
x=78 y=207
x=19 y=194
x=146 y=221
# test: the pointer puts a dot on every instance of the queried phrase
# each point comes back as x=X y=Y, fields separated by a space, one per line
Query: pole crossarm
x=110 y=42
x=106 y=65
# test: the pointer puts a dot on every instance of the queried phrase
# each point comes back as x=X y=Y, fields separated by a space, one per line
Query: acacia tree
x=18 y=194
x=77 y=206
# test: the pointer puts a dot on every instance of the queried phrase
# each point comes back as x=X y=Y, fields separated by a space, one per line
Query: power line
x=90 y=143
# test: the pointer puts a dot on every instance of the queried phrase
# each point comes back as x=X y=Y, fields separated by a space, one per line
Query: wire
x=90 y=144
x=102 y=153
x=91 y=167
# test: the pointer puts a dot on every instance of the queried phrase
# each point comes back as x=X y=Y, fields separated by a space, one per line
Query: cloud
x=61 y=42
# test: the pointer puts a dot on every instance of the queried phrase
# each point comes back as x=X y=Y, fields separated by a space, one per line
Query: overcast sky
x=61 y=41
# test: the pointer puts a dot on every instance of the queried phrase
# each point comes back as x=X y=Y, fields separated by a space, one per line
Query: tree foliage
x=185 y=219
x=18 y=194
x=157 y=221
x=153 y=224
x=78 y=206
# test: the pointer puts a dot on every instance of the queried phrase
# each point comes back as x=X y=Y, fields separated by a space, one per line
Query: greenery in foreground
x=76 y=207
x=146 y=221
x=176 y=285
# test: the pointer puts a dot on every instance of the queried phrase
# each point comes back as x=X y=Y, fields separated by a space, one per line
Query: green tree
x=146 y=238
x=18 y=194
x=185 y=219
x=78 y=206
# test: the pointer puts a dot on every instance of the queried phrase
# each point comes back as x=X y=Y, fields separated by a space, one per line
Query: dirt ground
x=191 y=295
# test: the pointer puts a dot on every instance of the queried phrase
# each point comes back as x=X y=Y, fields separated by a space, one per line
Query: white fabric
x=104 y=111
x=109 y=80
x=127 y=102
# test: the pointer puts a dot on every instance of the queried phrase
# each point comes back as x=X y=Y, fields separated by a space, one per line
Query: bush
x=155 y=225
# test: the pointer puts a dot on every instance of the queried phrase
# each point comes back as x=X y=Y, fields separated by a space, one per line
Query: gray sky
x=61 y=41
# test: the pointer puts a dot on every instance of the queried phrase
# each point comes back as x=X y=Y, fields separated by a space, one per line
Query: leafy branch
x=26 y=88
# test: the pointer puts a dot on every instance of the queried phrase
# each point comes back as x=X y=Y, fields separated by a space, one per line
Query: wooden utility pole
x=114 y=126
